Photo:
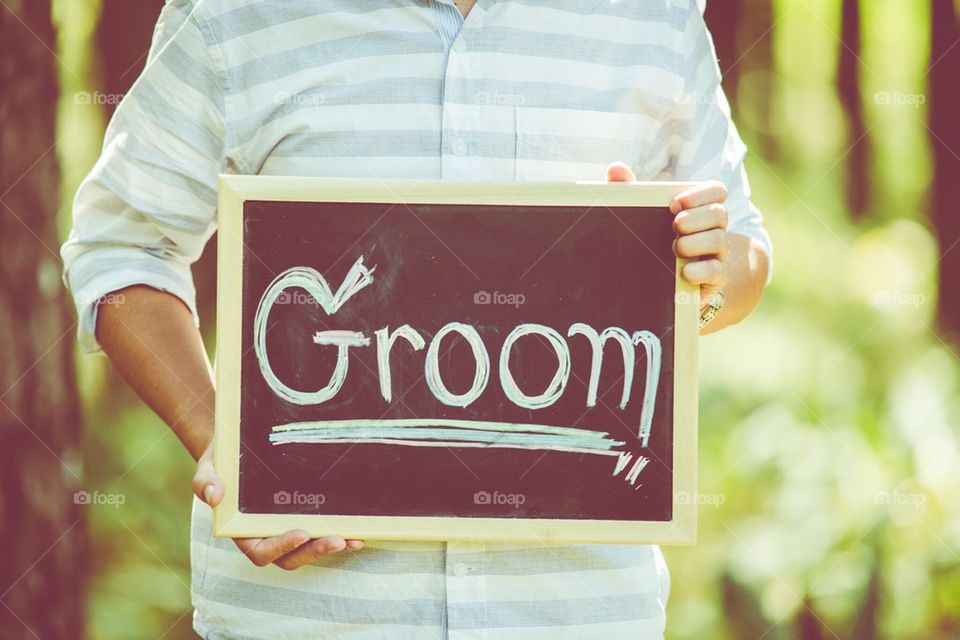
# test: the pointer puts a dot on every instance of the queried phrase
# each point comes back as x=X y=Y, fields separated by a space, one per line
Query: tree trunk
x=848 y=88
x=42 y=537
x=944 y=104
x=758 y=71
x=123 y=40
x=743 y=36
x=723 y=19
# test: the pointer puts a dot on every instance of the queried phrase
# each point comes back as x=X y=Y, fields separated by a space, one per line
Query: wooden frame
x=229 y=521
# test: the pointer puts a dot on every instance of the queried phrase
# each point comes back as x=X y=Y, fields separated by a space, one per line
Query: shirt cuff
x=96 y=276
x=752 y=227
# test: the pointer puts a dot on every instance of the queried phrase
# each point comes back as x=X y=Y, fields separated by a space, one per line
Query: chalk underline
x=445 y=432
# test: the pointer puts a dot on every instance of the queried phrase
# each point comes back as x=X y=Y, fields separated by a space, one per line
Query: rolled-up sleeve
x=706 y=143
x=147 y=208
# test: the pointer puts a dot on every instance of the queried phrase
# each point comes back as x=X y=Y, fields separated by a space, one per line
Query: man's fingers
x=620 y=172
x=703 y=193
x=702 y=218
x=705 y=243
x=712 y=272
x=263 y=551
x=293 y=549
x=304 y=554
x=309 y=552
x=206 y=482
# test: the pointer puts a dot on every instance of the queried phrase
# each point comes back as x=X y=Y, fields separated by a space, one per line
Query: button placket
x=457 y=147
x=466 y=583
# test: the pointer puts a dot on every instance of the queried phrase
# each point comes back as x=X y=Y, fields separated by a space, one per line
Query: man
x=492 y=90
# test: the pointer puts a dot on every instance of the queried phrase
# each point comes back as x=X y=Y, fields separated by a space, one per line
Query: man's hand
x=700 y=221
x=290 y=551
x=151 y=337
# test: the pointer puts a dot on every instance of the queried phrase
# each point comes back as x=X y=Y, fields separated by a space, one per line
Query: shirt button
x=460 y=569
x=460 y=46
x=460 y=147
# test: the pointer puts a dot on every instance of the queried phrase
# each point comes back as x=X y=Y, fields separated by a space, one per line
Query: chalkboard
x=438 y=360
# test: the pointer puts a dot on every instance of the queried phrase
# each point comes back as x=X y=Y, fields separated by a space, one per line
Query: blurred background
x=829 y=480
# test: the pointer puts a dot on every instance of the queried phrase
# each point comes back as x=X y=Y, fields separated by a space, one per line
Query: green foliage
x=827 y=419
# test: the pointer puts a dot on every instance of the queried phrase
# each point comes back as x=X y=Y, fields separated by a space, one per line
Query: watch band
x=714 y=304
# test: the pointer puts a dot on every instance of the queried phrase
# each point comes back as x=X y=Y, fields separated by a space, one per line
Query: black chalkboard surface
x=433 y=360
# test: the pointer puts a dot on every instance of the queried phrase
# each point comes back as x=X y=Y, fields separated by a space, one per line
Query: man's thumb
x=620 y=172
x=206 y=482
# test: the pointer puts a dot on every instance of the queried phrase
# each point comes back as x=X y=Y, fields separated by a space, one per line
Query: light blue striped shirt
x=520 y=90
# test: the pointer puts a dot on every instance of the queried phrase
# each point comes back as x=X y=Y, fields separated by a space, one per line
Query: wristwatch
x=714 y=304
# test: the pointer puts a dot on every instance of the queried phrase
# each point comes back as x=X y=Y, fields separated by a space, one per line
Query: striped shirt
x=520 y=90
